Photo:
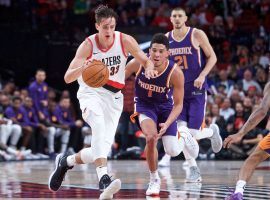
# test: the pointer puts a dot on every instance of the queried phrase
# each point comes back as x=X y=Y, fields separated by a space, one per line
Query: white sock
x=154 y=175
x=102 y=170
x=240 y=186
x=71 y=161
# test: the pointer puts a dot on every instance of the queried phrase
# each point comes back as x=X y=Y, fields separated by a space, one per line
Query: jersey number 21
x=181 y=61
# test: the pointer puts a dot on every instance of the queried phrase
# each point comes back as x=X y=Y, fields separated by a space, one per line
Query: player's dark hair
x=103 y=11
x=179 y=9
x=160 y=38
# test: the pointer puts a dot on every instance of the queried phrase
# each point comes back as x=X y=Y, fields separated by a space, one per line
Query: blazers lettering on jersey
x=113 y=60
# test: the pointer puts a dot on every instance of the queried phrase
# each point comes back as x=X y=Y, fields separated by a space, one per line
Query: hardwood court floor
x=29 y=180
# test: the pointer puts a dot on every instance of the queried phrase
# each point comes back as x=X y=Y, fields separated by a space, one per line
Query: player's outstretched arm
x=132 y=47
x=75 y=68
x=252 y=121
x=131 y=68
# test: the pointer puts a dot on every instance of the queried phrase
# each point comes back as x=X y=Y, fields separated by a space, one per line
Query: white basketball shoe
x=191 y=145
x=216 y=140
x=153 y=188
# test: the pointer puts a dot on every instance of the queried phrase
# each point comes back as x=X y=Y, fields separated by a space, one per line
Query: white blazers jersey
x=115 y=59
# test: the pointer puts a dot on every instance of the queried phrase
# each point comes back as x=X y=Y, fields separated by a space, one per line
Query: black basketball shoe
x=58 y=175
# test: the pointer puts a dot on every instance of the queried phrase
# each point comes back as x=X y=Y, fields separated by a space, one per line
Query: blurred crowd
x=39 y=121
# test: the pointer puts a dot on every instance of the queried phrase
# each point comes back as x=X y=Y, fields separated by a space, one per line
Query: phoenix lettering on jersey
x=113 y=60
x=179 y=51
x=152 y=87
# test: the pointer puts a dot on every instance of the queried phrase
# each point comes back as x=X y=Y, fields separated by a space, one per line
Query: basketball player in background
x=262 y=151
x=101 y=107
x=191 y=50
x=158 y=103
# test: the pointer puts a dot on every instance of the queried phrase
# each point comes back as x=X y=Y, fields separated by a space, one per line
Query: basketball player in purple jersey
x=158 y=103
x=191 y=50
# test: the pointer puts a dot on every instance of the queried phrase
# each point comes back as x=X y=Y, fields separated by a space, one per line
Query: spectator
x=17 y=115
x=68 y=119
x=223 y=80
x=248 y=82
x=40 y=130
x=38 y=91
x=226 y=110
x=62 y=129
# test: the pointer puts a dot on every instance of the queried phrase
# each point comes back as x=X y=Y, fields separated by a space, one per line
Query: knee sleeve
x=87 y=155
x=172 y=145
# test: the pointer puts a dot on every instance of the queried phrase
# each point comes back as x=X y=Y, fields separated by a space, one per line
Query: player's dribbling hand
x=232 y=139
x=198 y=83
x=163 y=129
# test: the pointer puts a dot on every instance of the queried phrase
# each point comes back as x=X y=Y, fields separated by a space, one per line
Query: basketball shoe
x=58 y=175
x=216 y=140
x=108 y=187
x=153 y=188
x=191 y=145
x=194 y=175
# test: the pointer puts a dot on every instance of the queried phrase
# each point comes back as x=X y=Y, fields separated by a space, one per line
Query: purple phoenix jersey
x=153 y=97
x=154 y=90
x=192 y=61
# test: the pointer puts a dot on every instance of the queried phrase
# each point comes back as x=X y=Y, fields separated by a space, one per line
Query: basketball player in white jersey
x=191 y=50
x=101 y=107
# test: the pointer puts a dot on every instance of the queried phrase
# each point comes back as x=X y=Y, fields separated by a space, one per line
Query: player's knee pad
x=172 y=146
x=87 y=155
x=172 y=151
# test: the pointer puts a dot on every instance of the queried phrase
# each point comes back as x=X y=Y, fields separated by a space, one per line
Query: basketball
x=95 y=74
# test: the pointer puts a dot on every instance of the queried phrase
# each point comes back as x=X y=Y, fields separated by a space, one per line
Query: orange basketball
x=96 y=74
